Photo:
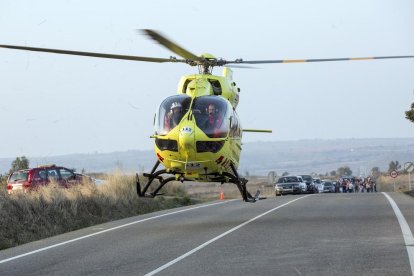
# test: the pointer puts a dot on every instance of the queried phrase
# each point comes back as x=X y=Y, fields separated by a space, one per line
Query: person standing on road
x=337 y=186
x=350 y=186
x=375 y=186
x=357 y=183
x=362 y=185
x=344 y=185
x=368 y=185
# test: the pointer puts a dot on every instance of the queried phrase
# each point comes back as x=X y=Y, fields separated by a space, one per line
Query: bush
x=3 y=179
x=51 y=210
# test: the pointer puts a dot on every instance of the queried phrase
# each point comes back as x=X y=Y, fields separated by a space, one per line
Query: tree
x=285 y=173
x=333 y=173
x=375 y=171
x=394 y=166
x=345 y=170
x=409 y=115
x=19 y=163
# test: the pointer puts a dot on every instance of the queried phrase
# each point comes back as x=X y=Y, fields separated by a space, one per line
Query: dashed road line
x=176 y=260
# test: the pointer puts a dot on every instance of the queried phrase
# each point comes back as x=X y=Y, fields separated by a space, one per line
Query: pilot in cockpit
x=214 y=121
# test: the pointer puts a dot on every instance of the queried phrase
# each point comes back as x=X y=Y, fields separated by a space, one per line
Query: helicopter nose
x=186 y=141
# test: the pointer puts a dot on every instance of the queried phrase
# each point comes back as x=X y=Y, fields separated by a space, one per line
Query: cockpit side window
x=185 y=85
x=235 y=126
x=170 y=113
x=212 y=116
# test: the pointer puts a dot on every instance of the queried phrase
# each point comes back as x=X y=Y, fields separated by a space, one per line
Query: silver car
x=326 y=186
x=291 y=184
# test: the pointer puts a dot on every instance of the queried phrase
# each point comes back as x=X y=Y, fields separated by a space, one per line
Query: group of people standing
x=356 y=185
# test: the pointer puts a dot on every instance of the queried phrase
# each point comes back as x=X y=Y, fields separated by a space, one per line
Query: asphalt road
x=327 y=234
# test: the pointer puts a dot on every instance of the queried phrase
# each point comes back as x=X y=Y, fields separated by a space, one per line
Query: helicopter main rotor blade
x=240 y=61
x=258 y=130
x=242 y=66
x=174 y=47
x=90 y=54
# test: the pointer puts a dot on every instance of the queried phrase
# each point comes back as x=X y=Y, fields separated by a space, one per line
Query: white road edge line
x=107 y=230
x=405 y=229
x=216 y=238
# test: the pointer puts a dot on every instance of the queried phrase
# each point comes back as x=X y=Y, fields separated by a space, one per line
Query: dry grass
x=51 y=210
x=399 y=184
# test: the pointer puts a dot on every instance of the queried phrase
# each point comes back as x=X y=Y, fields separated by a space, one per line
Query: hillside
x=258 y=158
x=321 y=156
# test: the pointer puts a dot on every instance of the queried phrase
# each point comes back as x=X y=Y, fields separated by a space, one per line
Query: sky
x=57 y=104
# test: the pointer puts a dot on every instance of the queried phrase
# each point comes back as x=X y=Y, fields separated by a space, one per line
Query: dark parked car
x=309 y=183
x=24 y=180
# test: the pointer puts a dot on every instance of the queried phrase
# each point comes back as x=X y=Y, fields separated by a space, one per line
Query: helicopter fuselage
x=205 y=138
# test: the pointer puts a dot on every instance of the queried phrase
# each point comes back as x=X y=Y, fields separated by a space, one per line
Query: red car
x=23 y=180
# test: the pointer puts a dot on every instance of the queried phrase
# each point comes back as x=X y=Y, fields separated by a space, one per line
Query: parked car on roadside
x=309 y=183
x=290 y=185
x=337 y=186
x=317 y=180
x=89 y=179
x=27 y=179
x=326 y=186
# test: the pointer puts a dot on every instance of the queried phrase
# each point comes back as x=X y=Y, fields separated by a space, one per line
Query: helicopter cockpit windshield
x=170 y=113
x=212 y=116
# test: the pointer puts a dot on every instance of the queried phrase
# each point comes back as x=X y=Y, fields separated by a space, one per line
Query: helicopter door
x=170 y=113
x=212 y=115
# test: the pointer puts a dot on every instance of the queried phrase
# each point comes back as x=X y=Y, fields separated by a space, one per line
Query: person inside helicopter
x=211 y=115
x=173 y=117
x=214 y=121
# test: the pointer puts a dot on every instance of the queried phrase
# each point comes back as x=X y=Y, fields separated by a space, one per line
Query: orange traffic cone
x=221 y=195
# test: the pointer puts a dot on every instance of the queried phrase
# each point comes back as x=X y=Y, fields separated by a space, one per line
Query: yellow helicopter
x=197 y=132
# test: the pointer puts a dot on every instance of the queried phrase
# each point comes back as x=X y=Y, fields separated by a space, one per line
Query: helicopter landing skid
x=151 y=176
x=232 y=178
x=241 y=185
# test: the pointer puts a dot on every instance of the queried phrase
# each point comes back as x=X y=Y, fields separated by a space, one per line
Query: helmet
x=175 y=104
